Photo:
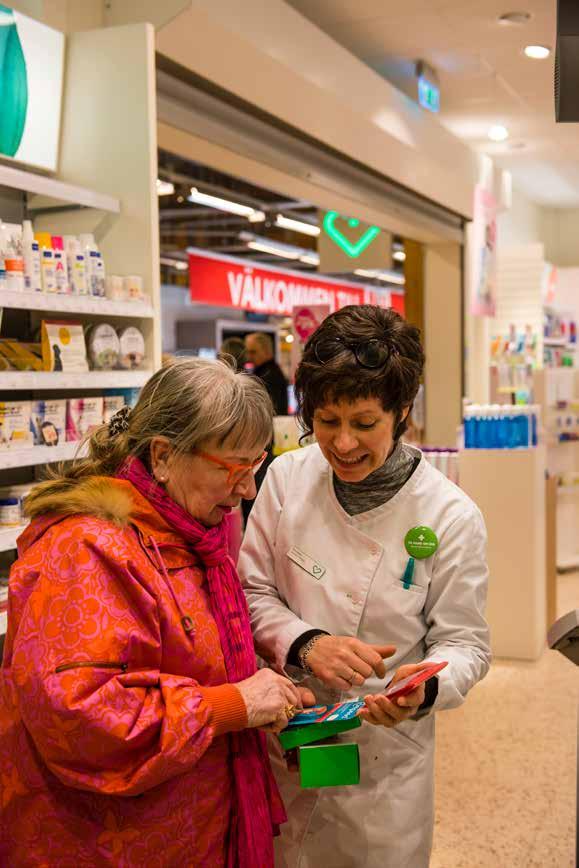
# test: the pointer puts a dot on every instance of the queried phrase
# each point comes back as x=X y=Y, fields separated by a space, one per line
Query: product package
x=10 y=511
x=82 y=416
x=48 y=422
x=132 y=348
x=111 y=405
x=133 y=286
x=63 y=346
x=103 y=347
x=115 y=290
x=20 y=356
x=15 y=425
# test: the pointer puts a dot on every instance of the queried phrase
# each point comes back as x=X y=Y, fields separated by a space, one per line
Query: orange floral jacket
x=113 y=721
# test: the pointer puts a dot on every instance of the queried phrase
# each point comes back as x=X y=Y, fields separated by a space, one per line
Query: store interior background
x=311 y=112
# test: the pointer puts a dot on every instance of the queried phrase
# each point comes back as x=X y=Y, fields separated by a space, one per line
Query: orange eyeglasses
x=236 y=471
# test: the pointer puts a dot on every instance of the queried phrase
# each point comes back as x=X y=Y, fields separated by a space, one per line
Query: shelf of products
x=53 y=303
x=30 y=182
x=10 y=458
x=8 y=537
x=24 y=380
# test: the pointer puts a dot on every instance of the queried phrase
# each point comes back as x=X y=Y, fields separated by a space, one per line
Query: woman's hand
x=343 y=662
x=307 y=698
x=268 y=696
x=381 y=711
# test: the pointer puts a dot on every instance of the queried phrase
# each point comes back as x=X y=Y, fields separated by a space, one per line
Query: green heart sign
x=352 y=250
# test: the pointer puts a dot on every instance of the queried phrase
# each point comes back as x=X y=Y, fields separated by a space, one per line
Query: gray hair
x=189 y=401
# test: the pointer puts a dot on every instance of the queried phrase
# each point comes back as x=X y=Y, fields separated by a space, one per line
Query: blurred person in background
x=130 y=701
x=233 y=352
x=259 y=351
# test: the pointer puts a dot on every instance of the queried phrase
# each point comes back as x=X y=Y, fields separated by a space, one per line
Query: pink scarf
x=257 y=806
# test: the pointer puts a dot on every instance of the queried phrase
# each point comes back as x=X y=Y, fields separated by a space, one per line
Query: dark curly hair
x=342 y=378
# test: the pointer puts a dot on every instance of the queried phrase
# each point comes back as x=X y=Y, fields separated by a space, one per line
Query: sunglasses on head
x=369 y=354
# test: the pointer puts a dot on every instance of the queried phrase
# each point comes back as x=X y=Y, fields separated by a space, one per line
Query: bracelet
x=305 y=650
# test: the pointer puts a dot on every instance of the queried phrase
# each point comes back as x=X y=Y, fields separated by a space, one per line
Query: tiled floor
x=506 y=765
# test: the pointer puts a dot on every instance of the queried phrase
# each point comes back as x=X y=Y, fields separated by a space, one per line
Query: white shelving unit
x=10 y=458
x=52 y=188
x=52 y=303
x=106 y=185
x=11 y=381
x=8 y=537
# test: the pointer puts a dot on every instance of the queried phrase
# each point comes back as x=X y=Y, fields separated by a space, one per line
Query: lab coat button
x=374 y=550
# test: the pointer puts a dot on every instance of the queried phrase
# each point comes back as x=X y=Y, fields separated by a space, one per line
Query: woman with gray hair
x=130 y=703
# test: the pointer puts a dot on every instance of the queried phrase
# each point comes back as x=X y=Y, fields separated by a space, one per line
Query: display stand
x=509 y=488
x=106 y=185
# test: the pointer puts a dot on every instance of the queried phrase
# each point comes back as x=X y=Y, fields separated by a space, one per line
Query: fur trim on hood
x=99 y=496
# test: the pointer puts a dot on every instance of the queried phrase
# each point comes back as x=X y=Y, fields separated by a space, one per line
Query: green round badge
x=420 y=542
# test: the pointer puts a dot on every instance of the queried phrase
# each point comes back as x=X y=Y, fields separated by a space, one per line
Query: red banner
x=225 y=281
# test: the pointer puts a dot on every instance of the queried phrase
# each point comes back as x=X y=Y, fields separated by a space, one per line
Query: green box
x=294 y=736
x=329 y=765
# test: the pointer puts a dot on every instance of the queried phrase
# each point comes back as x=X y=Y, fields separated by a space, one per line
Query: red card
x=407 y=685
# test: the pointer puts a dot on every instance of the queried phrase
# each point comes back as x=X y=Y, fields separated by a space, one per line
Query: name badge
x=307 y=563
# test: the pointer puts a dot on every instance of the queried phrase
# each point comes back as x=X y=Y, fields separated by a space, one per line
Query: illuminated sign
x=428 y=95
x=31 y=76
x=352 y=249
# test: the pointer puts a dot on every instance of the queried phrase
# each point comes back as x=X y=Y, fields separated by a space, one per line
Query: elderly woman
x=129 y=697
x=334 y=568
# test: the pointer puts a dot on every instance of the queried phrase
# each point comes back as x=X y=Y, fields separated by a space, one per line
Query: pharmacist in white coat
x=342 y=595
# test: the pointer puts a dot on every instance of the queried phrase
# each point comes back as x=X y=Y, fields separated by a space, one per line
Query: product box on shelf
x=83 y=414
x=132 y=348
x=20 y=356
x=15 y=425
x=103 y=347
x=48 y=422
x=63 y=346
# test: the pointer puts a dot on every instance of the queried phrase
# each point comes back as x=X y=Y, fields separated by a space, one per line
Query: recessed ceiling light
x=498 y=133
x=399 y=256
x=537 y=52
x=515 y=18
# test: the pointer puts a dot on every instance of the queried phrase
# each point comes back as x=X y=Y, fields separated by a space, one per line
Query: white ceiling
x=484 y=75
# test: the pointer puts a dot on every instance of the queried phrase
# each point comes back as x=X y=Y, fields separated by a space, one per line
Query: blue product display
x=497 y=426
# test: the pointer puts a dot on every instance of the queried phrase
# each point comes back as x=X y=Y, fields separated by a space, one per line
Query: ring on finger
x=352 y=677
x=290 y=711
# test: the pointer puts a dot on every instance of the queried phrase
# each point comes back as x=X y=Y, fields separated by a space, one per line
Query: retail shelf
x=569 y=562
x=23 y=380
x=8 y=537
x=53 y=303
x=559 y=342
x=30 y=182
x=10 y=458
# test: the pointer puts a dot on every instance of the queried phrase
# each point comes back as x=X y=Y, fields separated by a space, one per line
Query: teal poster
x=31 y=70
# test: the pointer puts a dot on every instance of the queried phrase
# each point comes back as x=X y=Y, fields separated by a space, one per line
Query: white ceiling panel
x=484 y=75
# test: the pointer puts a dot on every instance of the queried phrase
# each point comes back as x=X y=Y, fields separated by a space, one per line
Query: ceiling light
x=498 y=133
x=310 y=258
x=200 y=198
x=296 y=225
x=273 y=248
x=289 y=339
x=515 y=18
x=382 y=274
x=165 y=188
x=399 y=256
x=537 y=52
x=174 y=263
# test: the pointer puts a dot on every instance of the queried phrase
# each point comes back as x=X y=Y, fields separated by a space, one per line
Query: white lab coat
x=387 y=820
